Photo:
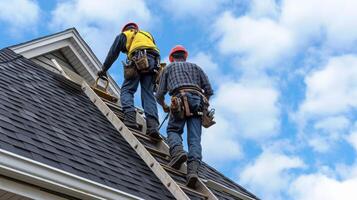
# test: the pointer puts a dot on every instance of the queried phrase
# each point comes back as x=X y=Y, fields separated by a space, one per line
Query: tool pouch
x=130 y=71
x=207 y=117
x=141 y=61
x=176 y=108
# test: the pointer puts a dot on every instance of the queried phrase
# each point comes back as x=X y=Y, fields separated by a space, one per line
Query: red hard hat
x=177 y=48
x=130 y=24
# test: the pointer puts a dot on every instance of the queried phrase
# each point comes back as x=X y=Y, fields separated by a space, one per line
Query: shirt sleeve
x=118 y=46
x=160 y=95
x=205 y=84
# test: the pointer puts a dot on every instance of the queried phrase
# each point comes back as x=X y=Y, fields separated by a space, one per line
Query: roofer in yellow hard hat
x=143 y=60
x=190 y=90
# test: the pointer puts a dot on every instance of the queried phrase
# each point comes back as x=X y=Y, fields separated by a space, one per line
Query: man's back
x=179 y=74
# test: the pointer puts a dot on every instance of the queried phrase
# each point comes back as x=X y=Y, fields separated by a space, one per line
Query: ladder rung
x=172 y=170
x=111 y=104
x=146 y=137
x=184 y=187
x=158 y=153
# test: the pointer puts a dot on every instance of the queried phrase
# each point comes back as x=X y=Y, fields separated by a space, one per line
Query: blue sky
x=284 y=73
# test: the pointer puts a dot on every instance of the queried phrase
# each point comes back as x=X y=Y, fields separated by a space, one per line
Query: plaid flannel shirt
x=178 y=74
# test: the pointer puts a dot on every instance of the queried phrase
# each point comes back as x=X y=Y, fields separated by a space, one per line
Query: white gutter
x=39 y=174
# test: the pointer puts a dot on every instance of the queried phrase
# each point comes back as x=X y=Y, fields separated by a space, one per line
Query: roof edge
x=62 y=39
x=48 y=177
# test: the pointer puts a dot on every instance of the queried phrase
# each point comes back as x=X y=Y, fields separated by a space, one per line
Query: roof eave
x=48 y=177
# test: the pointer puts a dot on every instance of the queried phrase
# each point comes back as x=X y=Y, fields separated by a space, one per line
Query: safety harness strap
x=131 y=40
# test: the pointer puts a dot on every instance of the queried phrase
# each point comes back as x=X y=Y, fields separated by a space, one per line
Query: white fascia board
x=39 y=174
x=45 y=48
x=32 y=45
x=86 y=50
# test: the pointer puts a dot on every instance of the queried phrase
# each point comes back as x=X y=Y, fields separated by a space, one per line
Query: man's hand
x=102 y=73
x=166 y=108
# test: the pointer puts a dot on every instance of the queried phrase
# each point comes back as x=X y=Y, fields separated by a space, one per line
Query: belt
x=193 y=89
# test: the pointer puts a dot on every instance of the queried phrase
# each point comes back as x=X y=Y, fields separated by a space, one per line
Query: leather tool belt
x=140 y=60
x=130 y=71
x=180 y=106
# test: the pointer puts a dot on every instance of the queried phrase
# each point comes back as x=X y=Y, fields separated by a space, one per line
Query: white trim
x=26 y=190
x=48 y=177
x=60 y=40
x=217 y=186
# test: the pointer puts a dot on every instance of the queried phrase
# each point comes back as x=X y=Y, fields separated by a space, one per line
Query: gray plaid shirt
x=178 y=74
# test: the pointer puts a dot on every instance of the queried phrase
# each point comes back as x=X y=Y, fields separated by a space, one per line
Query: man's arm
x=205 y=84
x=162 y=90
x=118 y=45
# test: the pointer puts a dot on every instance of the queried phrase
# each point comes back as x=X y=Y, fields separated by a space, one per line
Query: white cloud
x=352 y=137
x=205 y=61
x=269 y=175
x=100 y=21
x=210 y=67
x=335 y=19
x=199 y=9
x=271 y=33
x=19 y=14
x=327 y=131
x=331 y=93
x=260 y=42
x=245 y=109
x=264 y=8
x=332 y=89
x=319 y=143
x=335 y=123
x=227 y=149
x=252 y=109
x=319 y=186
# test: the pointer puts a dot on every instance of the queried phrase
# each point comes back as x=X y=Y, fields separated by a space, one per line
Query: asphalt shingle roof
x=47 y=118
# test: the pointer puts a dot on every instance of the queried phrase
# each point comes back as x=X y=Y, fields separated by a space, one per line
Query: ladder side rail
x=140 y=149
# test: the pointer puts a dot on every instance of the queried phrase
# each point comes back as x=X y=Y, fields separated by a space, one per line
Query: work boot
x=152 y=128
x=130 y=120
x=192 y=173
x=178 y=156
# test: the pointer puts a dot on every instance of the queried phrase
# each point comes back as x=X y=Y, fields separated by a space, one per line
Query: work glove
x=166 y=108
x=102 y=73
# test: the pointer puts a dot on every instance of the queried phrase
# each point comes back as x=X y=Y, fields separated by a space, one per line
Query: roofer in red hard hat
x=142 y=62
x=190 y=91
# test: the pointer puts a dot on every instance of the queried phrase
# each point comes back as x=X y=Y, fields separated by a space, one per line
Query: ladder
x=154 y=152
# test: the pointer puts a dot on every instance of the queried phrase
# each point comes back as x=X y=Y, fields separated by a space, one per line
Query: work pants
x=148 y=101
x=194 y=129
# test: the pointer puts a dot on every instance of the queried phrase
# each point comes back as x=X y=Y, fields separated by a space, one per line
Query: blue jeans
x=148 y=101
x=194 y=129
